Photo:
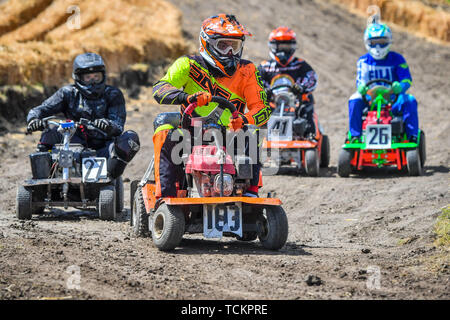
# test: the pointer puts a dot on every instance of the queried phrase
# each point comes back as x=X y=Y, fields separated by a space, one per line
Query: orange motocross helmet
x=221 y=42
x=282 y=44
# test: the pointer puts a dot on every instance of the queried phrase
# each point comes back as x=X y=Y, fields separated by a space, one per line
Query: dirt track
x=339 y=228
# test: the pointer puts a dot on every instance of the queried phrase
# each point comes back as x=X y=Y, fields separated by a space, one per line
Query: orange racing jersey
x=190 y=74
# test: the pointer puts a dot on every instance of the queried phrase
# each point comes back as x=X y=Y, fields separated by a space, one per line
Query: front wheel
x=107 y=203
x=312 y=162
x=272 y=226
x=167 y=227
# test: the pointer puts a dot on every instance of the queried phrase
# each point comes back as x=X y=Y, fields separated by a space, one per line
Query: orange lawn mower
x=286 y=143
x=212 y=202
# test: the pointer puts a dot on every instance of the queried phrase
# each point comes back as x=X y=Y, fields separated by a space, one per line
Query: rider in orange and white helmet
x=217 y=71
x=282 y=45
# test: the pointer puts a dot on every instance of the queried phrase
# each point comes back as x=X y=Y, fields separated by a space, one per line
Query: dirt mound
x=40 y=38
x=431 y=21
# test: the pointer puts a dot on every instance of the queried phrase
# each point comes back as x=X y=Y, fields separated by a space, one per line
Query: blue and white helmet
x=378 y=40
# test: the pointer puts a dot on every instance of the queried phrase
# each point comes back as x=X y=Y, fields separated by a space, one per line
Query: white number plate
x=279 y=128
x=94 y=169
x=378 y=136
x=220 y=218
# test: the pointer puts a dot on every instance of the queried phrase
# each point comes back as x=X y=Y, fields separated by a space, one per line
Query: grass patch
x=442 y=229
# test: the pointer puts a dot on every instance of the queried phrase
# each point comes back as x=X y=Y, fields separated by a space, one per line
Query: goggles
x=382 y=42
x=224 y=45
x=92 y=78
x=282 y=46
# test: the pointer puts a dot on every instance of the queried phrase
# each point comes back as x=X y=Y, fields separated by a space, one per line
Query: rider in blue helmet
x=381 y=63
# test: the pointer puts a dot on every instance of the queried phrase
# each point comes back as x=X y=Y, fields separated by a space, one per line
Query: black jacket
x=69 y=101
x=298 y=69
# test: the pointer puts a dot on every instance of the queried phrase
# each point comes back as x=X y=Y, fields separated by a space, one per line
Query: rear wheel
x=422 y=149
x=24 y=203
x=272 y=226
x=325 y=152
x=139 y=216
x=344 y=167
x=312 y=162
x=167 y=227
x=413 y=162
x=107 y=203
x=119 y=195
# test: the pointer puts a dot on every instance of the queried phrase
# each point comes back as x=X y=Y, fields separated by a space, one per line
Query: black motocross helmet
x=88 y=63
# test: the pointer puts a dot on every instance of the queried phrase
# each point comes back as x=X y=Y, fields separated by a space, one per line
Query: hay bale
x=432 y=22
x=41 y=49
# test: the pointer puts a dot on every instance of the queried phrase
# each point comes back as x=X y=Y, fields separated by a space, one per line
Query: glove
x=298 y=89
x=36 y=125
x=362 y=89
x=102 y=124
x=397 y=87
x=236 y=124
x=202 y=98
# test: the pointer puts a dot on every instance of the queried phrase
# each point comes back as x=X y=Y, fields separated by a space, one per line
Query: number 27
x=92 y=164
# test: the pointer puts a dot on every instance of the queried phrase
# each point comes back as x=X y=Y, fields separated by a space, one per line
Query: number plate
x=94 y=169
x=220 y=218
x=279 y=128
x=378 y=136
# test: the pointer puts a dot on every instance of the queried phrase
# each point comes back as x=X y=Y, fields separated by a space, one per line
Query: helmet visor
x=282 y=46
x=382 y=42
x=224 y=45
x=92 y=78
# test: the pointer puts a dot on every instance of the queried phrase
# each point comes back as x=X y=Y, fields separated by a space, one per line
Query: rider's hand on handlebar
x=102 y=124
x=36 y=125
x=236 y=124
x=298 y=89
x=202 y=98
x=362 y=89
x=397 y=87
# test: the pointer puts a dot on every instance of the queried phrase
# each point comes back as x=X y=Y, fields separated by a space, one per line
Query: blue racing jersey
x=393 y=68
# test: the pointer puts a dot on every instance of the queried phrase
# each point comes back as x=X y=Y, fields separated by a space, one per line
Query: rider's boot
x=123 y=151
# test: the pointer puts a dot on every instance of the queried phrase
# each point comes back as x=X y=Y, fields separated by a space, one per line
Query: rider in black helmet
x=89 y=73
x=92 y=99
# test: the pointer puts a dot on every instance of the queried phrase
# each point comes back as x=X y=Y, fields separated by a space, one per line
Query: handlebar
x=377 y=81
x=390 y=92
x=281 y=87
x=223 y=104
x=77 y=124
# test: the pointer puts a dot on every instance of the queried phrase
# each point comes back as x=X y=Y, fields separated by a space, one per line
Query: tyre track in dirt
x=338 y=227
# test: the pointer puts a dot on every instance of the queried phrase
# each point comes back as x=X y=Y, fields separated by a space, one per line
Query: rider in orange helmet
x=220 y=71
x=282 y=45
